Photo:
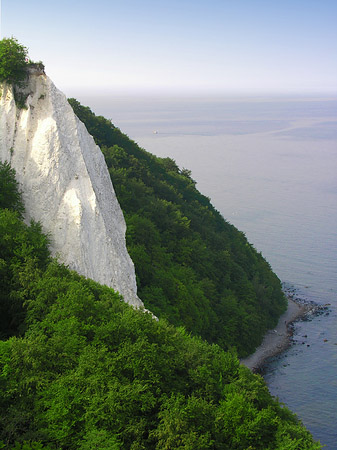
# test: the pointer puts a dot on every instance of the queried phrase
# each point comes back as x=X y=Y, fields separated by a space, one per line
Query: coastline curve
x=277 y=340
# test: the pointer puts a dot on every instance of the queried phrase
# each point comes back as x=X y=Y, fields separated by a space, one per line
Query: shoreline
x=277 y=340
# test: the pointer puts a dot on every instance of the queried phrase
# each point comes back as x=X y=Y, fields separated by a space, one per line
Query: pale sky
x=207 y=46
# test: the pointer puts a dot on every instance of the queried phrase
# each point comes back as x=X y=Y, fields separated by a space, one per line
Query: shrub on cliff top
x=12 y=61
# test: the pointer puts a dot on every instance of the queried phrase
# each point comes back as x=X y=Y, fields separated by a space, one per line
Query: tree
x=12 y=61
x=10 y=196
x=80 y=369
x=193 y=268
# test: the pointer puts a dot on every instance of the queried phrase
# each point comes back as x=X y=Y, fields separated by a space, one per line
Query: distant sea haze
x=269 y=166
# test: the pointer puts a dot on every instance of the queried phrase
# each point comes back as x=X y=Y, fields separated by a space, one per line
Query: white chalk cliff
x=66 y=184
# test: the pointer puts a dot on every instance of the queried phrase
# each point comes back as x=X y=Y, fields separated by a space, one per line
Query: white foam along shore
x=277 y=340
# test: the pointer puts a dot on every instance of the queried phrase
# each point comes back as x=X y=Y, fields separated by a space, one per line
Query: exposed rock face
x=66 y=184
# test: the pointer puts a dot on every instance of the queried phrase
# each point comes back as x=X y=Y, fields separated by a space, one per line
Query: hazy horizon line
x=72 y=91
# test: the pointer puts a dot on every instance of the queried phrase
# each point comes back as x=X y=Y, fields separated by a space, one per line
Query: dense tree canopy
x=193 y=267
x=23 y=249
x=12 y=61
x=91 y=372
x=81 y=370
x=10 y=196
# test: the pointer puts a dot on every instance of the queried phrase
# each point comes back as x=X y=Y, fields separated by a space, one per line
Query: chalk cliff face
x=66 y=184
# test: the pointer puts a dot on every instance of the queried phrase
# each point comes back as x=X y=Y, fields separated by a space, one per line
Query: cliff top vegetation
x=15 y=67
x=13 y=61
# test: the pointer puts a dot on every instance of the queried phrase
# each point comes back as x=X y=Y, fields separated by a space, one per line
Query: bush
x=12 y=61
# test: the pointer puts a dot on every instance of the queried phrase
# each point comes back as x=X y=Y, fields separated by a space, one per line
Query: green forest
x=193 y=268
x=82 y=370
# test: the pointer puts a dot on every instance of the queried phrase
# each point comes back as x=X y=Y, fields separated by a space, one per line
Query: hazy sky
x=228 y=46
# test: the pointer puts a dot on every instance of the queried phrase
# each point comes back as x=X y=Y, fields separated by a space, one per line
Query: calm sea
x=270 y=167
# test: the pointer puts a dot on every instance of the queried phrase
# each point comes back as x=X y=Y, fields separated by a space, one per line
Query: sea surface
x=269 y=165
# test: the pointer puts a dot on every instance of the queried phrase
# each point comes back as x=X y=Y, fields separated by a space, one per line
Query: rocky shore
x=277 y=340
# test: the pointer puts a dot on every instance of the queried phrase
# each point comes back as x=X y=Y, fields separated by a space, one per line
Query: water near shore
x=269 y=166
x=277 y=340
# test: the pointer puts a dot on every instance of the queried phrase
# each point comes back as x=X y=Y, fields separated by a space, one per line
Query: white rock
x=66 y=185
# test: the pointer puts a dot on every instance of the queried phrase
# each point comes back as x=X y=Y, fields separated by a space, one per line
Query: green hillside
x=82 y=370
x=193 y=267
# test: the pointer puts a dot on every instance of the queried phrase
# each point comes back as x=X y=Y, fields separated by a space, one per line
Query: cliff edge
x=66 y=184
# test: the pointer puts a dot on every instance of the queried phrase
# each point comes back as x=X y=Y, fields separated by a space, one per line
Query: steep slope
x=192 y=266
x=65 y=183
x=87 y=371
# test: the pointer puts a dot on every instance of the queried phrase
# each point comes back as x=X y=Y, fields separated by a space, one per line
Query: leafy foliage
x=193 y=267
x=88 y=371
x=12 y=61
x=23 y=249
x=10 y=196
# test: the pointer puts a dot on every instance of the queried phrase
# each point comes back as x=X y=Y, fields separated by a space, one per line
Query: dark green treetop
x=10 y=196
